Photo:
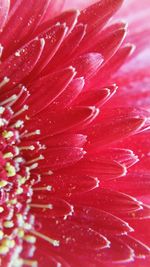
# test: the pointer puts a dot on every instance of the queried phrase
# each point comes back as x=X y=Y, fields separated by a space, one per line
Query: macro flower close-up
x=74 y=133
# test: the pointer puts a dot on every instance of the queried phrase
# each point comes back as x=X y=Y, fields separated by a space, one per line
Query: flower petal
x=18 y=66
x=101 y=221
x=68 y=120
x=4 y=8
x=47 y=89
x=27 y=16
x=56 y=158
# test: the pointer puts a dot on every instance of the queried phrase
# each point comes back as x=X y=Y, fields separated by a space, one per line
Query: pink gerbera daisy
x=74 y=148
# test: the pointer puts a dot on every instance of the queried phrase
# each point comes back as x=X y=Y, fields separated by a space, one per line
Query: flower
x=71 y=185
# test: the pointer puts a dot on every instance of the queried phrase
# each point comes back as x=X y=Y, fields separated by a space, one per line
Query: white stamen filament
x=35 y=160
x=53 y=242
x=49 y=173
x=4 y=81
x=21 y=262
x=27 y=148
x=1 y=50
x=25 y=134
x=2 y=109
x=41 y=206
x=45 y=188
x=25 y=107
x=10 y=99
x=17 y=124
x=33 y=166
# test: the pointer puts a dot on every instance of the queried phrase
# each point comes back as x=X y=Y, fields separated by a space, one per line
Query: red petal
x=53 y=38
x=4 y=8
x=78 y=3
x=116 y=129
x=135 y=184
x=95 y=17
x=65 y=140
x=19 y=65
x=58 y=207
x=56 y=158
x=124 y=157
x=48 y=259
x=109 y=201
x=140 y=250
x=103 y=169
x=54 y=124
x=54 y=8
x=101 y=221
x=66 y=185
x=86 y=65
x=69 y=18
x=69 y=95
x=108 y=45
x=26 y=17
x=96 y=97
x=100 y=12
x=69 y=46
x=113 y=64
x=46 y=89
x=118 y=253
x=73 y=236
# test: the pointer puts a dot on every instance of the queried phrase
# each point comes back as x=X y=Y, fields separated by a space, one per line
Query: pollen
x=8 y=155
x=3 y=183
x=10 y=169
x=19 y=191
x=18 y=124
x=1 y=209
x=8 y=224
x=21 y=180
x=4 y=250
x=2 y=122
x=1 y=234
x=21 y=233
x=2 y=109
x=8 y=134
x=30 y=239
x=13 y=201
x=8 y=243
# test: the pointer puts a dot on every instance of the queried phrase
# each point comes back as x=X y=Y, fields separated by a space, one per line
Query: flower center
x=16 y=183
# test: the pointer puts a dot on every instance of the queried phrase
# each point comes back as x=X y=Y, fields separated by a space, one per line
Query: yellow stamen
x=12 y=201
x=20 y=220
x=30 y=239
x=8 y=134
x=8 y=224
x=3 y=183
x=10 y=169
x=21 y=233
x=22 y=180
x=8 y=243
x=19 y=191
x=1 y=234
x=1 y=209
x=8 y=155
x=4 y=250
